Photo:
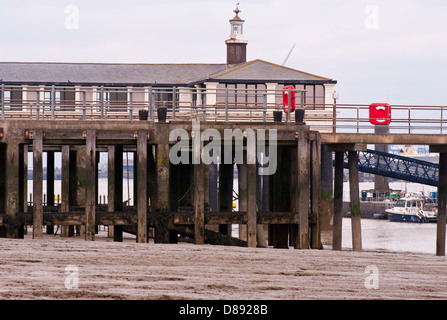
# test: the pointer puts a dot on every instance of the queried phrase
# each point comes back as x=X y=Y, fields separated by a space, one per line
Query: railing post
x=102 y=102
x=264 y=104
x=151 y=104
x=409 y=120
x=334 y=116
x=226 y=103
x=52 y=101
x=84 y=105
x=37 y=105
x=3 y=101
x=173 y=103
x=442 y=117
x=203 y=104
x=130 y=105
x=358 y=119
x=204 y=100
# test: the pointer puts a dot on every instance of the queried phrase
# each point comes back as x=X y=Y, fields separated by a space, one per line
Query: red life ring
x=285 y=99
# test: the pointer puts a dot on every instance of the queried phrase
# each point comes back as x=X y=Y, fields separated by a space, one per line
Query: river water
x=376 y=234
x=392 y=236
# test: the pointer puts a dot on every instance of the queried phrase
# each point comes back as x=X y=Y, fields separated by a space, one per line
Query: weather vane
x=237 y=11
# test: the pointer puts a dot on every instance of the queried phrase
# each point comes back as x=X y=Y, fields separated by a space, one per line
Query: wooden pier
x=189 y=199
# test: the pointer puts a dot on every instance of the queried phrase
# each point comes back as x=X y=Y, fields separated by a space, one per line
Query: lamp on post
x=335 y=96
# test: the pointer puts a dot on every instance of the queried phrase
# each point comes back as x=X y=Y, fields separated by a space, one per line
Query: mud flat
x=36 y=269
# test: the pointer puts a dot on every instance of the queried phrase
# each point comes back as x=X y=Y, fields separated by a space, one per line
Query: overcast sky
x=379 y=51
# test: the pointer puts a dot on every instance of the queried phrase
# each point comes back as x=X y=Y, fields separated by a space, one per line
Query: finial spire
x=237 y=11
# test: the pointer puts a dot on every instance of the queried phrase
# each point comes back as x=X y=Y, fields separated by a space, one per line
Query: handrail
x=205 y=104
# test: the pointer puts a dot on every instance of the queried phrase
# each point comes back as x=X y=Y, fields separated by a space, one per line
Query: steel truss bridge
x=396 y=166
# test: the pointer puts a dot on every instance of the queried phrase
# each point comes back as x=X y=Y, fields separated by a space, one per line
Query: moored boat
x=411 y=209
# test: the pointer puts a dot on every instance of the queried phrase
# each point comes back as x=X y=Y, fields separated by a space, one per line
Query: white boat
x=411 y=209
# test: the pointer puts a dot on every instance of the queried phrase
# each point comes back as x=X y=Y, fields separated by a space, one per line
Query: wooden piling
x=303 y=191
x=355 y=201
x=242 y=193
x=11 y=175
x=162 y=234
x=442 y=205
x=37 y=184
x=23 y=186
x=65 y=186
x=199 y=198
x=50 y=185
x=110 y=185
x=316 y=192
x=90 y=186
x=251 y=191
x=141 y=192
x=338 y=201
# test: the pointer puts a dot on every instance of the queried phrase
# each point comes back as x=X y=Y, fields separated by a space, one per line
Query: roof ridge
x=238 y=67
x=296 y=70
x=115 y=63
x=232 y=69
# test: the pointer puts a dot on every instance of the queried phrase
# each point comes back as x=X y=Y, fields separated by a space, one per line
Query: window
x=114 y=99
x=66 y=99
x=244 y=95
x=12 y=99
x=400 y=204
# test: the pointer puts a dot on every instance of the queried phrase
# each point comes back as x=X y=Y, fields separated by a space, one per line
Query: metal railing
x=405 y=119
x=111 y=103
x=205 y=104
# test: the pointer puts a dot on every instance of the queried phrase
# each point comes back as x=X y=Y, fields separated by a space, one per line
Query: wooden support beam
x=243 y=195
x=141 y=192
x=163 y=177
x=66 y=231
x=303 y=192
x=251 y=207
x=251 y=192
x=338 y=201
x=199 y=204
x=50 y=178
x=355 y=201
x=344 y=147
x=23 y=187
x=111 y=185
x=37 y=184
x=90 y=185
x=442 y=205
x=316 y=192
x=10 y=162
x=50 y=185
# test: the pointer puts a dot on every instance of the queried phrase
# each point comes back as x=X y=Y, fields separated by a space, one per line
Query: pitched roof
x=160 y=74
x=263 y=70
x=96 y=73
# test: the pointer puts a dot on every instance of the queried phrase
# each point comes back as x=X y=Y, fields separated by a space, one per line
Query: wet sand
x=35 y=269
